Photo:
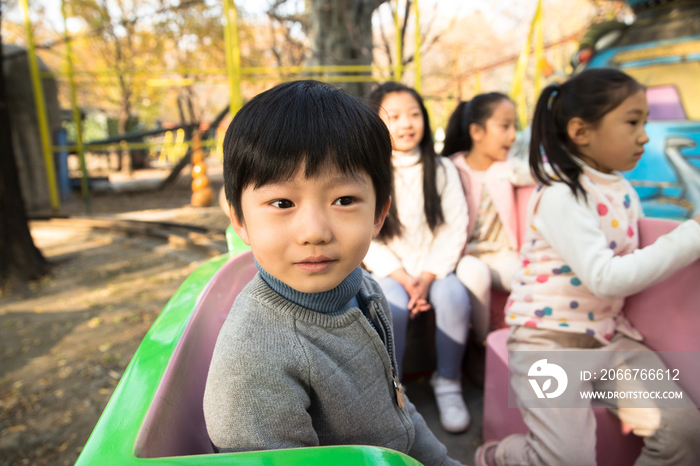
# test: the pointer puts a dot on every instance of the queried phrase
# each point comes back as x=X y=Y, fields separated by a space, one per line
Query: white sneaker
x=454 y=415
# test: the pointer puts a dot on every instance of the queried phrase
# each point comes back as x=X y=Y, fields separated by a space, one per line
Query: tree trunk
x=20 y=260
x=341 y=34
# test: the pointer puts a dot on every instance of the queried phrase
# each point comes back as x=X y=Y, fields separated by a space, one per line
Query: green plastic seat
x=155 y=415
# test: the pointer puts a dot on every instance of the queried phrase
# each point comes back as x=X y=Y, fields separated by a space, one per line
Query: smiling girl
x=416 y=268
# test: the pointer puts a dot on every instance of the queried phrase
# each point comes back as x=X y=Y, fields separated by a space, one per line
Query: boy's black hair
x=589 y=95
x=305 y=122
x=478 y=110
x=431 y=196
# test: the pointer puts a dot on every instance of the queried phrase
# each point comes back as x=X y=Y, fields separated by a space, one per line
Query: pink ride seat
x=674 y=300
x=498 y=298
x=174 y=425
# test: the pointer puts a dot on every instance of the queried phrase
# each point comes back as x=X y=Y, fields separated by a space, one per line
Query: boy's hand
x=696 y=217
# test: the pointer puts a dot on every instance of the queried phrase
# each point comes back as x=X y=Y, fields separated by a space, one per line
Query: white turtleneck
x=418 y=249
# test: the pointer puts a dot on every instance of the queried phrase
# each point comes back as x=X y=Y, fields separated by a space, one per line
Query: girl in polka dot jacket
x=580 y=259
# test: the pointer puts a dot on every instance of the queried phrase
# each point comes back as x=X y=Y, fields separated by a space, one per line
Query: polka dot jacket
x=548 y=294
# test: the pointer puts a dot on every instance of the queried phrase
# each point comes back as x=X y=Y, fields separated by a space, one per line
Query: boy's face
x=310 y=233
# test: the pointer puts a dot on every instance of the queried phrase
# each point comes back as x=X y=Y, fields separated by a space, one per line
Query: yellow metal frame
x=249 y=70
x=517 y=93
x=40 y=104
x=398 y=66
x=417 y=54
x=233 y=55
x=234 y=73
x=76 y=113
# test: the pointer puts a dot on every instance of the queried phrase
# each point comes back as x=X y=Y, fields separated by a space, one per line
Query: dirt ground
x=65 y=343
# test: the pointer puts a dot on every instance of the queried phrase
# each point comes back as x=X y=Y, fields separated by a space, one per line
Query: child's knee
x=475 y=275
x=451 y=305
x=450 y=296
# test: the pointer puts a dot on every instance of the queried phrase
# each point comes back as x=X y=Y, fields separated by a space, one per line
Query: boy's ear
x=379 y=220
x=578 y=131
x=238 y=225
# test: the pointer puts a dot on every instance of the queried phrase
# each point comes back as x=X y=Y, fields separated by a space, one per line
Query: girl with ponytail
x=580 y=259
x=479 y=136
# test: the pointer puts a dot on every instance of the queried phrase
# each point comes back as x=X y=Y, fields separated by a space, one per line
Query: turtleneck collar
x=331 y=302
x=406 y=159
x=597 y=175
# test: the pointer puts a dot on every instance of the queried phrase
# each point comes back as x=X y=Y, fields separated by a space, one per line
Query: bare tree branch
x=385 y=41
x=100 y=30
x=437 y=38
x=275 y=52
x=405 y=23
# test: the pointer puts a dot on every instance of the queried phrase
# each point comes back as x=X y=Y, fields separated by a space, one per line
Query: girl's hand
x=407 y=281
x=421 y=306
x=419 y=302
x=409 y=284
x=696 y=217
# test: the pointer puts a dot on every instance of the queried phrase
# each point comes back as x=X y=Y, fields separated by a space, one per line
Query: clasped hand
x=417 y=288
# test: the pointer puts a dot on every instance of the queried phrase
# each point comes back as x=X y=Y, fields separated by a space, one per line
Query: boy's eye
x=282 y=203
x=345 y=200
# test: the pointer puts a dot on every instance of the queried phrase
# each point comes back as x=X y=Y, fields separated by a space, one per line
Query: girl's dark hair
x=305 y=122
x=478 y=110
x=428 y=157
x=589 y=95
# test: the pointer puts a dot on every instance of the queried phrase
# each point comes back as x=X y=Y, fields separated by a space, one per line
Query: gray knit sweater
x=284 y=376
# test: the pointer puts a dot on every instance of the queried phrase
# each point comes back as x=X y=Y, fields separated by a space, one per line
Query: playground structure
x=171 y=146
x=176 y=144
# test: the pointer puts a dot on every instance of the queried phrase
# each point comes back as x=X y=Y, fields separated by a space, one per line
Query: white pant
x=479 y=274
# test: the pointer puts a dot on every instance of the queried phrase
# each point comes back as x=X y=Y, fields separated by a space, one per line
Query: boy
x=306 y=355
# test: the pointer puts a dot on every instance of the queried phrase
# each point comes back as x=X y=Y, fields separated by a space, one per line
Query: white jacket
x=418 y=249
